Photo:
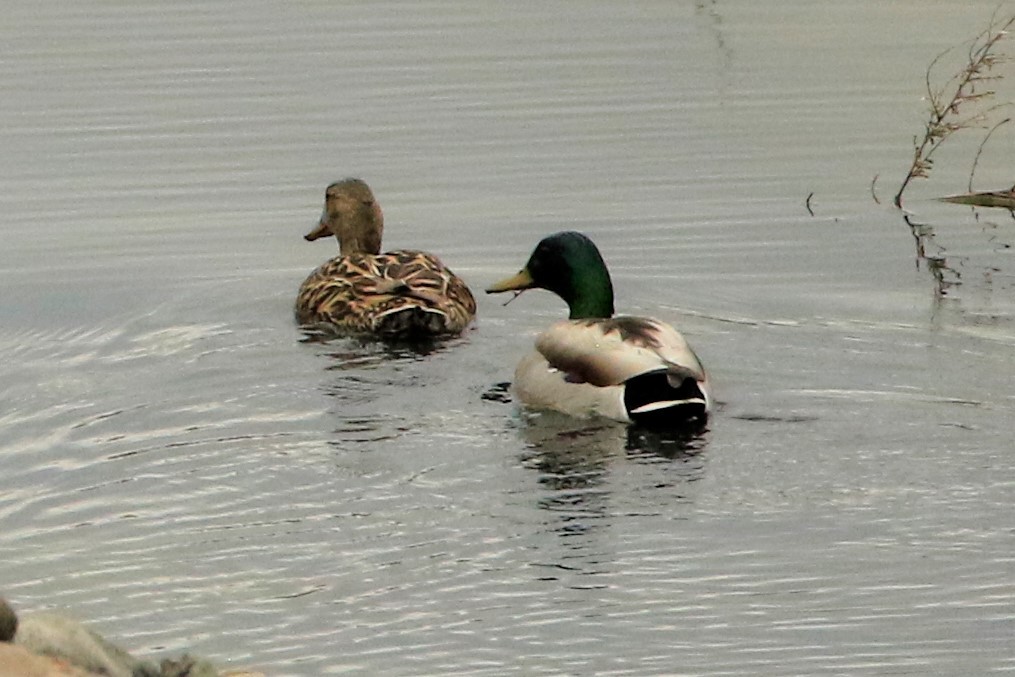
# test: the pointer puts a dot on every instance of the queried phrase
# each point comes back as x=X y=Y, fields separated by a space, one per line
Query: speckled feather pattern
x=366 y=293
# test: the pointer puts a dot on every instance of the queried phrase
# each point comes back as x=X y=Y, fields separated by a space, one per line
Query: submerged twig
x=948 y=102
x=1005 y=199
x=514 y=295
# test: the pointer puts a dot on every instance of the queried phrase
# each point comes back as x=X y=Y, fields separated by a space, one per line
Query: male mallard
x=399 y=294
x=632 y=369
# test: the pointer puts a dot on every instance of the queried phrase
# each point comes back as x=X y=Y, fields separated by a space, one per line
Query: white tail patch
x=656 y=406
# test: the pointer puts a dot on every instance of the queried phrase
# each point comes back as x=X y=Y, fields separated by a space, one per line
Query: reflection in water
x=349 y=354
x=360 y=349
x=383 y=396
x=576 y=461
x=575 y=454
x=573 y=464
x=673 y=445
x=569 y=454
x=374 y=385
x=365 y=430
x=983 y=269
x=710 y=9
x=935 y=263
x=993 y=230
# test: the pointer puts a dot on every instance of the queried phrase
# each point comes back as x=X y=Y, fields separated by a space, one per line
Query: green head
x=569 y=265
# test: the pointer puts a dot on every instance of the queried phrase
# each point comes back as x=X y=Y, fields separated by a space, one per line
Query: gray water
x=182 y=468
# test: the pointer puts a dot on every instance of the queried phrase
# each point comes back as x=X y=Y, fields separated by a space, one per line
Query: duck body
x=403 y=294
x=627 y=368
x=399 y=294
x=630 y=369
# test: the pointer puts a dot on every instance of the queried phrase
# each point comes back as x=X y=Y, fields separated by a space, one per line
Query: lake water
x=182 y=468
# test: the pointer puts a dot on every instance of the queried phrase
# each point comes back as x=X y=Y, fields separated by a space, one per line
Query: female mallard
x=632 y=369
x=402 y=294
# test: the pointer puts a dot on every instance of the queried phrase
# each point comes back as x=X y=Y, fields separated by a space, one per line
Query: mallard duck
x=403 y=294
x=631 y=369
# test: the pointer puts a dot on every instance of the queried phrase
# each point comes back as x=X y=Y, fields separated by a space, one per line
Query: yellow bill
x=521 y=280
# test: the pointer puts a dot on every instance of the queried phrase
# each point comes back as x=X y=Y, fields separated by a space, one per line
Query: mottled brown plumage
x=398 y=294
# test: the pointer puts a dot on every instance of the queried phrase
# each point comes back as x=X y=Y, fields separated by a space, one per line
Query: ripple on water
x=194 y=477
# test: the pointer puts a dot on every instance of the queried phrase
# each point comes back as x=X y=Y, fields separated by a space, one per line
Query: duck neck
x=363 y=234
x=591 y=295
x=352 y=244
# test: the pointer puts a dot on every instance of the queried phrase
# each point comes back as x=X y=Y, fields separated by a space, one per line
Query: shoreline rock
x=47 y=644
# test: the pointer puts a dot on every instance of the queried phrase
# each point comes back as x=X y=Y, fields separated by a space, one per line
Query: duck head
x=568 y=264
x=353 y=216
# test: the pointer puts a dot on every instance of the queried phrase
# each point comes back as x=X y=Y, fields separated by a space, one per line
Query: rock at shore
x=54 y=645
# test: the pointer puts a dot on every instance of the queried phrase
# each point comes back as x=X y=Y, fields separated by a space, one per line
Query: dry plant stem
x=979 y=151
x=960 y=89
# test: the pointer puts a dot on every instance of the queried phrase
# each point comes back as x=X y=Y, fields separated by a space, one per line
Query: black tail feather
x=652 y=400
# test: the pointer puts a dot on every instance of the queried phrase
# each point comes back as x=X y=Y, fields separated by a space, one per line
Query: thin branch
x=963 y=90
x=976 y=160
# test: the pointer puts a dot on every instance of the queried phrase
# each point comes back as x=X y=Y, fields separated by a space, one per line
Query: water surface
x=183 y=468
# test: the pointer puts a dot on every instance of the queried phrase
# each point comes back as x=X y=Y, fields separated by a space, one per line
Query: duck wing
x=606 y=352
